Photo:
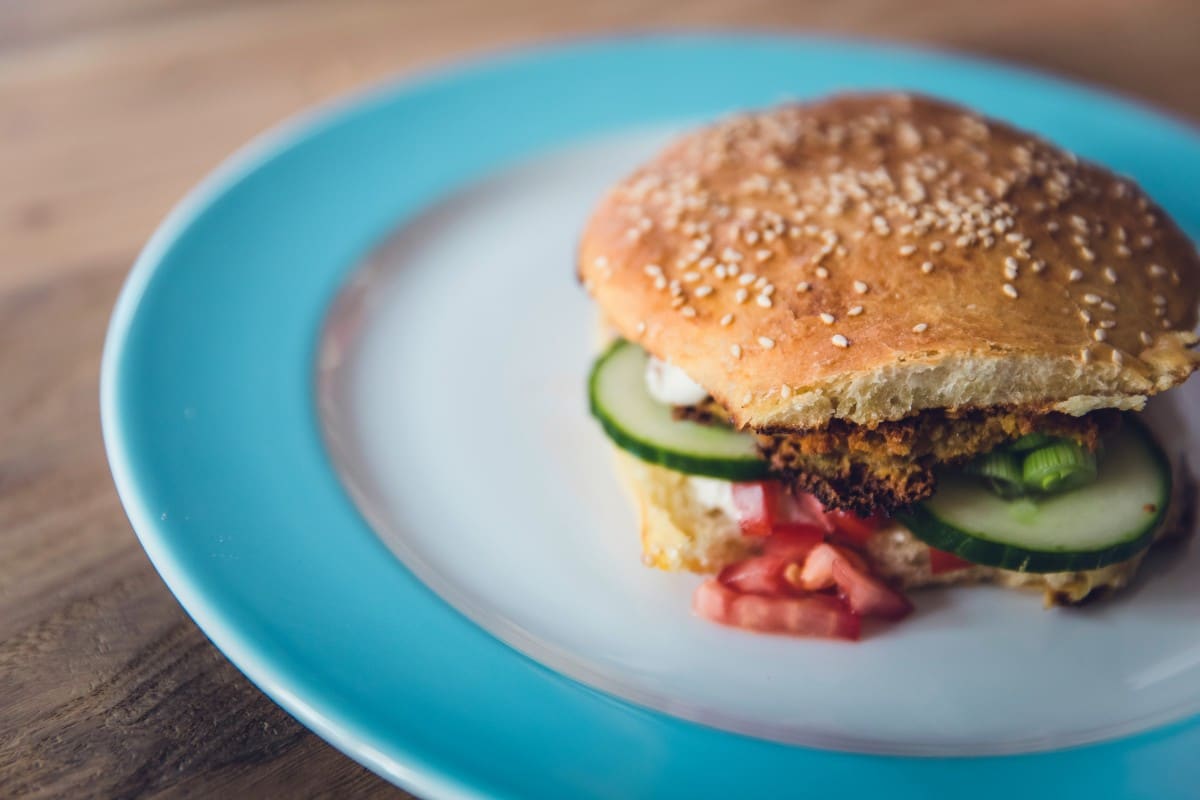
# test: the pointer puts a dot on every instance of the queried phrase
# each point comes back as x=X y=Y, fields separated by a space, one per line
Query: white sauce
x=713 y=494
x=671 y=386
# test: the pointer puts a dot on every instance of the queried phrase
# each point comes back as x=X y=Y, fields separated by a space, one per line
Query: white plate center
x=452 y=390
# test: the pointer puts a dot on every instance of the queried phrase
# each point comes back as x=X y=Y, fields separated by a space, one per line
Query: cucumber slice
x=1101 y=523
x=638 y=423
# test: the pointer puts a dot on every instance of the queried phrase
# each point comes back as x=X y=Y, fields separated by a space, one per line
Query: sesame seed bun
x=866 y=257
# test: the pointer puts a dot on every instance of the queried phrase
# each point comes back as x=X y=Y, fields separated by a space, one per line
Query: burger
x=880 y=342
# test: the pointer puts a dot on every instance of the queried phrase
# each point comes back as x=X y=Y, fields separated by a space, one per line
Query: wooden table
x=109 y=111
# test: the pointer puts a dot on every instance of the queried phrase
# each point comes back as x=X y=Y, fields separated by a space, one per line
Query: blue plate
x=212 y=432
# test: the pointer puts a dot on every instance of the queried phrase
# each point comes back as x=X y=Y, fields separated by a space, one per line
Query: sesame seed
x=767 y=342
x=803 y=286
x=736 y=351
x=1110 y=275
x=751 y=237
x=707 y=262
x=854 y=311
x=660 y=283
x=1091 y=299
x=908 y=249
x=1085 y=315
x=1118 y=357
x=676 y=288
x=688 y=311
x=785 y=391
x=760 y=283
x=927 y=267
x=763 y=301
x=1123 y=251
x=822 y=272
x=1159 y=300
x=727 y=320
x=720 y=272
x=763 y=255
x=1146 y=338
x=1157 y=270
x=703 y=291
x=1010 y=290
x=653 y=270
x=937 y=247
x=840 y=341
x=826 y=317
x=1099 y=334
x=1075 y=275
x=1039 y=267
x=920 y=327
x=1108 y=324
x=1108 y=306
x=768 y=289
x=1085 y=355
x=691 y=277
x=747 y=278
x=861 y=287
x=742 y=295
x=1087 y=254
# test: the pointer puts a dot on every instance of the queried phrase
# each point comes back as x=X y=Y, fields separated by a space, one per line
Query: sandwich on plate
x=880 y=342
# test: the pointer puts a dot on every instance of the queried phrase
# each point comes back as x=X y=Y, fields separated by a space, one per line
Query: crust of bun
x=677 y=532
x=866 y=257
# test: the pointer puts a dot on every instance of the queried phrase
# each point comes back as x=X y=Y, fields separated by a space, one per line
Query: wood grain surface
x=109 y=111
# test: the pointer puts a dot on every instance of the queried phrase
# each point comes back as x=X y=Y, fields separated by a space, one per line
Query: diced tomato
x=817 y=572
x=756 y=504
x=713 y=600
x=795 y=507
x=815 y=509
x=793 y=540
x=814 y=615
x=854 y=528
x=758 y=575
x=940 y=561
x=846 y=525
x=866 y=594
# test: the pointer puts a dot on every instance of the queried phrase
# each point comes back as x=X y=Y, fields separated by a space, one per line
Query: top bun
x=866 y=257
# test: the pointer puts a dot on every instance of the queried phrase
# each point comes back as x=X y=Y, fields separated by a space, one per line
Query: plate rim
x=416 y=772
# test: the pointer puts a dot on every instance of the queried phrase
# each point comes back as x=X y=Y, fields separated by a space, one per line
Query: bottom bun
x=680 y=531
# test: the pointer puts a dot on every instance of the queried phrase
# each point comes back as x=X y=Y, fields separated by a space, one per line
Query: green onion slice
x=1058 y=467
x=1030 y=441
x=1001 y=470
